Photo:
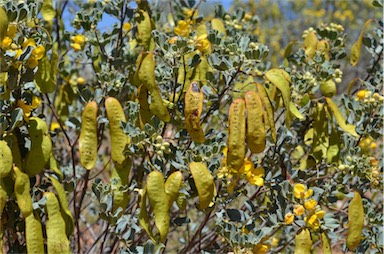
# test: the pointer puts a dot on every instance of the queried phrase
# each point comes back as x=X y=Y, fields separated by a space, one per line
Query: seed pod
x=172 y=186
x=57 y=241
x=3 y=23
x=181 y=201
x=256 y=134
x=192 y=111
x=34 y=234
x=326 y=245
x=236 y=134
x=41 y=147
x=120 y=173
x=204 y=183
x=6 y=159
x=310 y=44
x=54 y=166
x=3 y=196
x=65 y=212
x=269 y=120
x=157 y=106
x=88 y=136
x=356 y=222
x=144 y=28
x=303 y=242
x=145 y=113
x=119 y=139
x=22 y=192
x=14 y=146
x=159 y=202
x=143 y=215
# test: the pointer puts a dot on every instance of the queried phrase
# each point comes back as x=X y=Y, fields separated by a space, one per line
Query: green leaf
x=45 y=78
x=350 y=128
x=356 y=47
x=204 y=183
x=47 y=10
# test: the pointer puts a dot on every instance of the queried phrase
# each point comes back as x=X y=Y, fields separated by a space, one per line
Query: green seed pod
x=22 y=192
x=119 y=139
x=145 y=113
x=3 y=196
x=41 y=147
x=88 y=136
x=256 y=134
x=120 y=173
x=236 y=134
x=326 y=244
x=65 y=212
x=356 y=222
x=193 y=106
x=57 y=241
x=14 y=146
x=172 y=186
x=34 y=234
x=6 y=159
x=3 y=23
x=159 y=202
x=204 y=183
x=144 y=28
x=303 y=242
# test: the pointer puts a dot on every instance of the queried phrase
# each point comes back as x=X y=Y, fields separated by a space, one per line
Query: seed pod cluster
x=145 y=75
x=192 y=110
x=88 y=136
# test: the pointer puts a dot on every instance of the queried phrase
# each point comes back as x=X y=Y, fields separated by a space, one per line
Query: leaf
x=288 y=49
x=356 y=47
x=350 y=128
x=295 y=112
x=281 y=80
x=143 y=215
x=47 y=11
x=44 y=78
x=204 y=183
x=159 y=202
x=351 y=84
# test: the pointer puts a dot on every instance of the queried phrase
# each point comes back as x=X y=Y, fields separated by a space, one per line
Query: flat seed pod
x=6 y=159
x=320 y=132
x=356 y=222
x=121 y=174
x=144 y=28
x=41 y=147
x=236 y=134
x=54 y=166
x=172 y=186
x=145 y=113
x=65 y=212
x=204 y=183
x=57 y=241
x=218 y=25
x=193 y=106
x=34 y=234
x=14 y=146
x=157 y=106
x=256 y=134
x=88 y=136
x=143 y=215
x=326 y=244
x=269 y=120
x=22 y=192
x=119 y=139
x=310 y=44
x=3 y=23
x=159 y=202
x=350 y=128
x=303 y=242
x=146 y=70
x=356 y=47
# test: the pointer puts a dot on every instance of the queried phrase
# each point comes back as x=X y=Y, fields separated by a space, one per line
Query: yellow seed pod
x=88 y=136
x=303 y=242
x=157 y=106
x=204 y=183
x=356 y=222
x=3 y=24
x=181 y=202
x=144 y=28
x=310 y=44
x=34 y=234
x=159 y=202
x=65 y=212
x=143 y=215
x=54 y=166
x=119 y=139
x=120 y=173
x=57 y=241
x=323 y=46
x=41 y=147
x=22 y=192
x=256 y=134
x=145 y=114
x=326 y=244
x=172 y=186
x=236 y=134
x=14 y=146
x=193 y=106
x=6 y=159
x=269 y=120
x=3 y=196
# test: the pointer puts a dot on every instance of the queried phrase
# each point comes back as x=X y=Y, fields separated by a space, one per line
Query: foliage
x=183 y=127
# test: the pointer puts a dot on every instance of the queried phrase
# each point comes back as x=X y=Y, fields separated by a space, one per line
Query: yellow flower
x=6 y=42
x=275 y=241
x=55 y=126
x=310 y=204
x=38 y=52
x=127 y=26
x=76 y=46
x=313 y=222
x=28 y=42
x=373 y=146
x=188 y=13
x=28 y=108
x=183 y=28
x=247 y=166
x=255 y=176
x=80 y=81
x=203 y=44
x=361 y=94
x=298 y=210
x=173 y=40
x=320 y=214
x=308 y=193
x=261 y=248
x=288 y=218
x=299 y=190
x=79 y=39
